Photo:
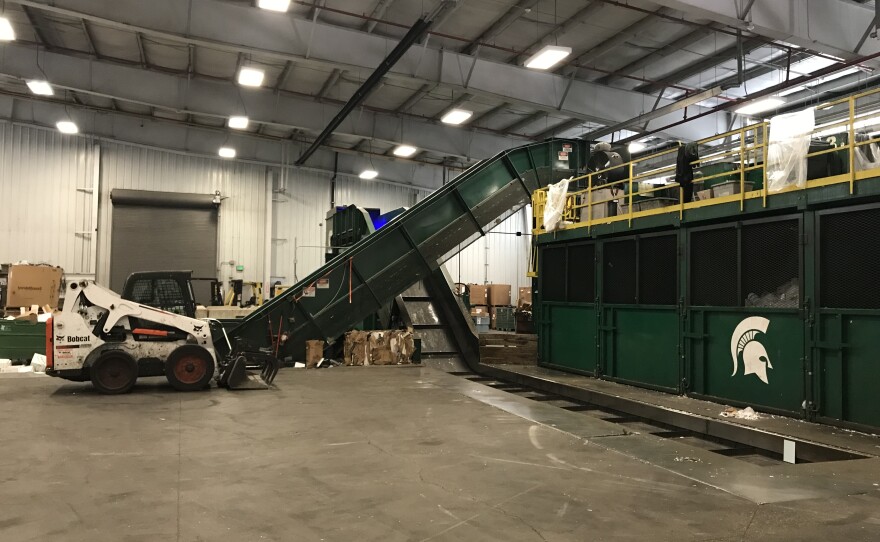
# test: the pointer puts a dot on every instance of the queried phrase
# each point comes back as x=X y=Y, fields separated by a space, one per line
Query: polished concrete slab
x=376 y=453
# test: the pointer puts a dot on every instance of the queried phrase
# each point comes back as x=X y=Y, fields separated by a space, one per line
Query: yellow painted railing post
x=764 y=169
x=630 y=194
x=590 y=202
x=742 y=169
x=852 y=144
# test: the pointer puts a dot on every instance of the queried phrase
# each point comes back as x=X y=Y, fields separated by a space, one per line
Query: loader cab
x=169 y=291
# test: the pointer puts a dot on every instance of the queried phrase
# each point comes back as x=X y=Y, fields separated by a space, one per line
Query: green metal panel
x=728 y=355
x=847 y=366
x=641 y=346
x=20 y=340
x=569 y=336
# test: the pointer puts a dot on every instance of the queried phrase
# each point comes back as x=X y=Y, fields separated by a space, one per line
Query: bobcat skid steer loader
x=100 y=336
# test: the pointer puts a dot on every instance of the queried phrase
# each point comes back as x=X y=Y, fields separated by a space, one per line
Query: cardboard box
x=479 y=310
x=525 y=297
x=479 y=294
x=499 y=294
x=33 y=285
x=314 y=353
x=356 y=348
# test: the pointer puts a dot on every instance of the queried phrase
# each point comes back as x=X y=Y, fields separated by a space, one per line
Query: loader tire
x=189 y=368
x=114 y=372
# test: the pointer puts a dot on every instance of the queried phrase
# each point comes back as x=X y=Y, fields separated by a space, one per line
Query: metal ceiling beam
x=670 y=49
x=89 y=40
x=282 y=77
x=45 y=32
x=618 y=39
x=120 y=127
x=377 y=13
x=329 y=83
x=287 y=38
x=414 y=98
x=481 y=119
x=831 y=26
x=499 y=25
x=221 y=98
x=700 y=66
x=583 y=15
x=558 y=129
x=523 y=122
x=142 y=51
x=635 y=123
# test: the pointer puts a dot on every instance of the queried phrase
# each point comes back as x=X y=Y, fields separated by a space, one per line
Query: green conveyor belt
x=372 y=272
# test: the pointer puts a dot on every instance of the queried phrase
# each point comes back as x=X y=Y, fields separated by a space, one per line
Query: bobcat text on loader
x=103 y=337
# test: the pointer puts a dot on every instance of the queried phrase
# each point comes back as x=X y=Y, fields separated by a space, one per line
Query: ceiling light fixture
x=404 y=150
x=251 y=77
x=274 y=5
x=456 y=116
x=41 y=88
x=547 y=57
x=67 y=127
x=636 y=146
x=368 y=174
x=226 y=152
x=239 y=123
x=760 y=106
x=6 y=31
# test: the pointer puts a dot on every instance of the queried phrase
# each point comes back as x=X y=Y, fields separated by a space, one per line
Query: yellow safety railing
x=739 y=154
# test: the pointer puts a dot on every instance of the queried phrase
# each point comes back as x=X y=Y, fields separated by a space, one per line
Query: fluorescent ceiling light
x=251 y=77
x=404 y=150
x=636 y=146
x=368 y=174
x=760 y=106
x=274 y=5
x=67 y=127
x=239 y=123
x=6 y=31
x=226 y=152
x=40 y=87
x=456 y=116
x=547 y=57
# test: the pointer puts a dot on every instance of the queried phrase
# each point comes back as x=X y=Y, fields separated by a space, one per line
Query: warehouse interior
x=438 y=270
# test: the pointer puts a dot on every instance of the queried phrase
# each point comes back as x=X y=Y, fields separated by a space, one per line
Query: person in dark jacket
x=684 y=170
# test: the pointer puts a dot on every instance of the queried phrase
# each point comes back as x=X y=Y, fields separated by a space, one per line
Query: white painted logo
x=744 y=344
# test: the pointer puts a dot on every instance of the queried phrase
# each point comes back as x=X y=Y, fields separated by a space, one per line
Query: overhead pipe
x=415 y=33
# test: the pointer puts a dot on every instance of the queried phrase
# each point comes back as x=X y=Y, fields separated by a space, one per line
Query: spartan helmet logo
x=743 y=344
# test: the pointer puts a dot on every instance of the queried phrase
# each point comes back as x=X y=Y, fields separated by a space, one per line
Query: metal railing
x=739 y=156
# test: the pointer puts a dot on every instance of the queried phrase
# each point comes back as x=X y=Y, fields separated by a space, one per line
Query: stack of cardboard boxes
x=488 y=301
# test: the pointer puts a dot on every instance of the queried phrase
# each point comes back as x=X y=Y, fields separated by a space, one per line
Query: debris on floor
x=747 y=413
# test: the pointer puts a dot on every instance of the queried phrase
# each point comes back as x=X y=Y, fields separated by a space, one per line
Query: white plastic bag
x=555 y=206
x=38 y=363
x=789 y=145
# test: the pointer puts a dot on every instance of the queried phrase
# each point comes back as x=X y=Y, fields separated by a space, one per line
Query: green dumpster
x=21 y=339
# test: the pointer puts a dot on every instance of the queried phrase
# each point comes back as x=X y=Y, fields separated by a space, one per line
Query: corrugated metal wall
x=499 y=257
x=300 y=212
x=50 y=211
x=45 y=186
x=242 y=221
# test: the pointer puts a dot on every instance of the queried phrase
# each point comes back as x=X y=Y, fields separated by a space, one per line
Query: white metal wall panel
x=298 y=225
x=46 y=189
x=242 y=219
x=500 y=257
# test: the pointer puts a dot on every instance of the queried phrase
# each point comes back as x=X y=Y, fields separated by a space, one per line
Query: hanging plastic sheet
x=555 y=206
x=867 y=155
x=789 y=145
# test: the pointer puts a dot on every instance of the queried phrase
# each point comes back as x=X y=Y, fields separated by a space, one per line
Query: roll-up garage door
x=159 y=231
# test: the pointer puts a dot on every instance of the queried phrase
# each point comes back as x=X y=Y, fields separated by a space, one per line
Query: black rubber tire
x=189 y=368
x=114 y=372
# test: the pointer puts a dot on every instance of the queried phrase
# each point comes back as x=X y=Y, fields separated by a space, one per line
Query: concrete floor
x=368 y=453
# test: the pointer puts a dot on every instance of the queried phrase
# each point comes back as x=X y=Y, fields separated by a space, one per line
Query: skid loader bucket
x=250 y=371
